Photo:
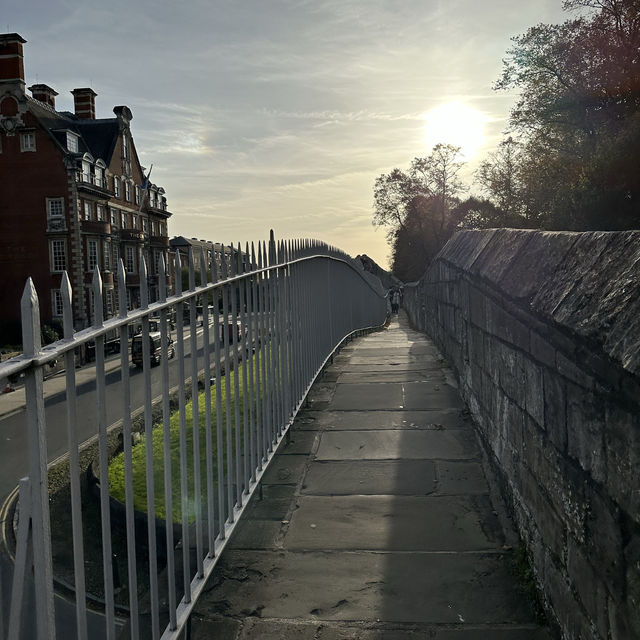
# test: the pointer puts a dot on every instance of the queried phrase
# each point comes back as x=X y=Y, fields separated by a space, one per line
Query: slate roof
x=97 y=137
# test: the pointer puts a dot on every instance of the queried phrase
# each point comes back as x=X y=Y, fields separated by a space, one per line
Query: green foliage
x=418 y=209
x=116 y=466
x=577 y=118
x=49 y=334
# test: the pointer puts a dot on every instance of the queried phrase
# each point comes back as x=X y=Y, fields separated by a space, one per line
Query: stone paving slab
x=394 y=395
x=435 y=588
x=460 y=478
x=375 y=353
x=406 y=445
x=249 y=628
x=394 y=360
x=368 y=420
x=379 y=477
x=436 y=376
x=406 y=365
x=394 y=523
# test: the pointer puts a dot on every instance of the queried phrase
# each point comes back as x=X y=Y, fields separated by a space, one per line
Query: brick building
x=73 y=196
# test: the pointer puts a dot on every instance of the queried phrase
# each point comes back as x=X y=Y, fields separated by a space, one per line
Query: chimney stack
x=84 y=101
x=44 y=93
x=11 y=59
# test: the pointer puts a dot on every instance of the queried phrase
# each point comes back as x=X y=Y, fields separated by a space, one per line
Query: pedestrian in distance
x=395 y=301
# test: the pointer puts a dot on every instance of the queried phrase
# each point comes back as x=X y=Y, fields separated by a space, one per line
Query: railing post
x=42 y=569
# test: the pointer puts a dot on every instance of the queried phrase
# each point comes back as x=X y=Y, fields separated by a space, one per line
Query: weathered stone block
x=555 y=409
x=573 y=372
x=502 y=324
x=603 y=543
x=590 y=589
x=585 y=431
x=501 y=254
x=540 y=258
x=512 y=374
x=492 y=358
x=622 y=447
x=544 y=516
x=632 y=575
x=476 y=347
x=534 y=390
x=542 y=351
x=564 y=487
x=477 y=308
x=570 y=614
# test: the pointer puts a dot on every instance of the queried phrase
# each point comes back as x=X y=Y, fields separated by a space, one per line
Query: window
x=137 y=194
x=57 y=308
x=88 y=213
x=106 y=252
x=130 y=265
x=117 y=187
x=86 y=171
x=153 y=228
x=116 y=255
x=58 y=255
x=125 y=147
x=145 y=224
x=123 y=220
x=134 y=221
x=72 y=142
x=92 y=254
x=99 y=177
x=127 y=191
x=55 y=207
x=113 y=214
x=100 y=212
x=158 y=255
x=28 y=141
x=109 y=296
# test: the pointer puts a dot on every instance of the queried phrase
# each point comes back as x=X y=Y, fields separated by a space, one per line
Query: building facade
x=73 y=197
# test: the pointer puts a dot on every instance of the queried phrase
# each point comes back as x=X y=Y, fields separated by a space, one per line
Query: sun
x=457 y=124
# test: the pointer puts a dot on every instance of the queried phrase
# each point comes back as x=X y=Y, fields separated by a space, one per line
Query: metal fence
x=248 y=341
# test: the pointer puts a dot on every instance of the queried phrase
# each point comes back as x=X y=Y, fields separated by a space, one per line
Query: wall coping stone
x=585 y=282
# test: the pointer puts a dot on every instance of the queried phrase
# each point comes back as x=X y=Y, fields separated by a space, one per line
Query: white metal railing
x=289 y=305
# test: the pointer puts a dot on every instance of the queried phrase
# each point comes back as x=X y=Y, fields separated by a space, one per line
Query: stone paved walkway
x=377 y=521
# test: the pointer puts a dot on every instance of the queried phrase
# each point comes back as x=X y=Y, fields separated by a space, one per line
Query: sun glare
x=457 y=124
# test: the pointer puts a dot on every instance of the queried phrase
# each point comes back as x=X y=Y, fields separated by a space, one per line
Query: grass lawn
x=116 y=466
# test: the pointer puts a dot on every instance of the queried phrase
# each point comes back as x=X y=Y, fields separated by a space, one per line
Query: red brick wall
x=28 y=179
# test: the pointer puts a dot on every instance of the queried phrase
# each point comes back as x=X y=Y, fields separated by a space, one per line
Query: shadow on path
x=377 y=520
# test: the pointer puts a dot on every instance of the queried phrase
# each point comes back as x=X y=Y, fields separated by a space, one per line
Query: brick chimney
x=84 y=101
x=44 y=93
x=11 y=60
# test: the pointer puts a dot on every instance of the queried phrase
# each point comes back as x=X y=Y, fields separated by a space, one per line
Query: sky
x=280 y=114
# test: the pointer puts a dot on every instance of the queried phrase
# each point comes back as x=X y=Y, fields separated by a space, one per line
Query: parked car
x=155 y=349
x=233 y=336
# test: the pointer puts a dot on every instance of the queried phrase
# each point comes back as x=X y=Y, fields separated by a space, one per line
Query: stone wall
x=543 y=330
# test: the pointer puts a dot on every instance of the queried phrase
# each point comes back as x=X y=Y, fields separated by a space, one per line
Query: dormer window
x=99 y=174
x=86 y=171
x=72 y=142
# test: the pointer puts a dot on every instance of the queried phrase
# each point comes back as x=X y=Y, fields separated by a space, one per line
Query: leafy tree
x=577 y=116
x=418 y=209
